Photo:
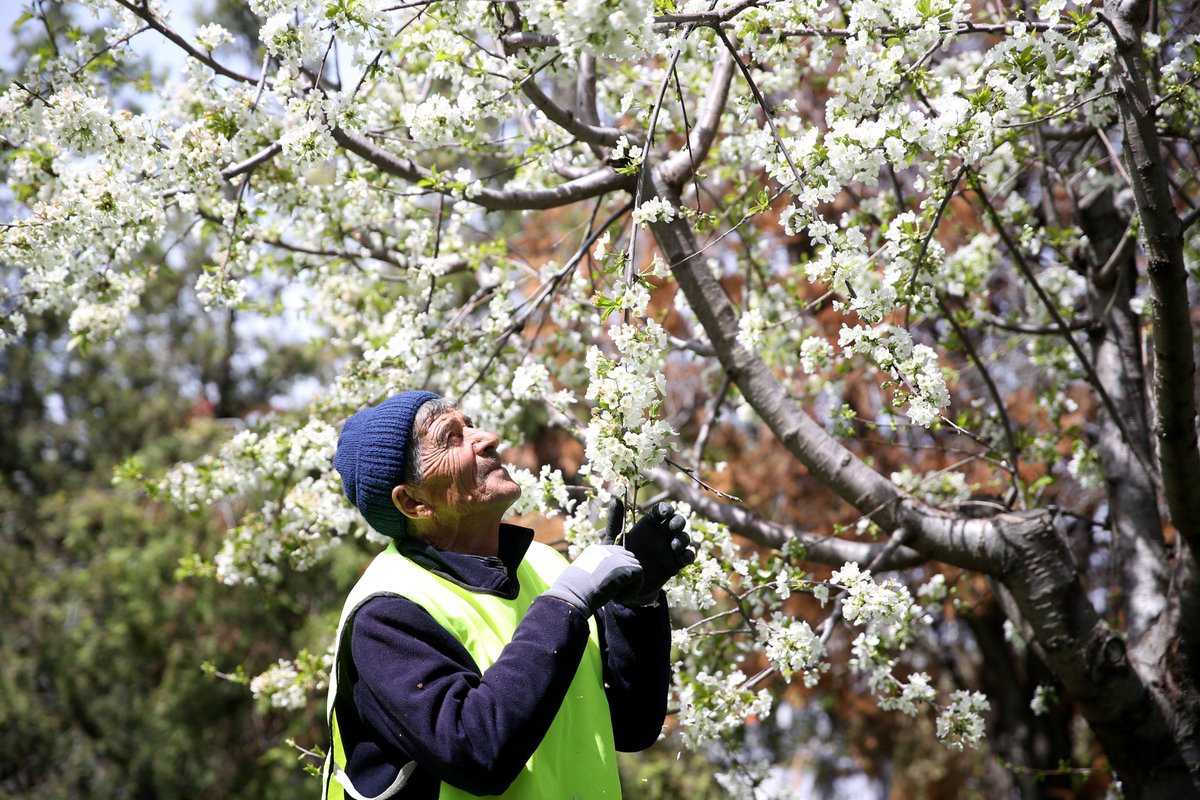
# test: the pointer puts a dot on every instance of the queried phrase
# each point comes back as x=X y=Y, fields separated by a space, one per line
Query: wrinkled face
x=462 y=471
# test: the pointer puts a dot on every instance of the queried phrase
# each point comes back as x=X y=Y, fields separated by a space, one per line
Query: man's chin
x=513 y=488
x=504 y=485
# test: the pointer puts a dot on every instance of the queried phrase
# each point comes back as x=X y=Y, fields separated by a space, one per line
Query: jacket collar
x=487 y=574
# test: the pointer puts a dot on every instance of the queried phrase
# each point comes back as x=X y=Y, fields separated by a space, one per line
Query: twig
x=203 y=57
x=692 y=474
x=951 y=190
x=1013 y=453
x=643 y=173
x=1035 y=330
x=706 y=428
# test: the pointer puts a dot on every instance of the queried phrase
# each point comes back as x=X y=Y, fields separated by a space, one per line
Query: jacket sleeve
x=637 y=671
x=421 y=691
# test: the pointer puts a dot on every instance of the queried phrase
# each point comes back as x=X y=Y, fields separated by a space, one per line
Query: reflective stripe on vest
x=576 y=758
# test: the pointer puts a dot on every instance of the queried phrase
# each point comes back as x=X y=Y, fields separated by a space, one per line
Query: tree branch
x=1162 y=238
x=600 y=182
x=143 y=13
x=707 y=17
x=677 y=169
x=589 y=134
x=585 y=97
x=1089 y=658
x=1190 y=219
x=1116 y=343
x=965 y=543
x=1014 y=453
x=1035 y=330
x=818 y=549
x=1089 y=369
x=706 y=428
x=266 y=154
x=524 y=40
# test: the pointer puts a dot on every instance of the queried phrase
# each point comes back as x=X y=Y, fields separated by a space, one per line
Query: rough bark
x=1132 y=722
x=1162 y=239
x=823 y=455
x=1174 y=386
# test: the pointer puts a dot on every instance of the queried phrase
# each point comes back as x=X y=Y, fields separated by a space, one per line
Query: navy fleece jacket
x=411 y=692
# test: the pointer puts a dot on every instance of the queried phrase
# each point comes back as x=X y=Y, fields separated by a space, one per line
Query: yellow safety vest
x=576 y=758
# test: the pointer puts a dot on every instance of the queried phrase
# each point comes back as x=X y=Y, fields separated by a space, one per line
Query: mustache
x=490 y=465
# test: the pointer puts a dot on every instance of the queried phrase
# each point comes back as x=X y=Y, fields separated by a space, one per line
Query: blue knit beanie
x=370 y=458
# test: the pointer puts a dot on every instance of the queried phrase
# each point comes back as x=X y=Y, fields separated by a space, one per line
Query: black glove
x=659 y=543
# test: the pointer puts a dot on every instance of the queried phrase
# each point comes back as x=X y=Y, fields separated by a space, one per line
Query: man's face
x=463 y=472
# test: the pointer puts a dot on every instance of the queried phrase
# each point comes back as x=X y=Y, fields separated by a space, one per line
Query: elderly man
x=471 y=660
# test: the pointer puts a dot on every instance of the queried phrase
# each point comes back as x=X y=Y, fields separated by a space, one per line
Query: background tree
x=102 y=691
x=883 y=271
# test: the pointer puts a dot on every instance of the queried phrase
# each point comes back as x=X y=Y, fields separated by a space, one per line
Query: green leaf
x=1041 y=483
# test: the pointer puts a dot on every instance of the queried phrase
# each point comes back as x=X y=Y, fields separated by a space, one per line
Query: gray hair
x=426 y=414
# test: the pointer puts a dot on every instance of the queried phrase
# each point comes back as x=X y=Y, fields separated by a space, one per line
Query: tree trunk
x=1116 y=339
x=1024 y=551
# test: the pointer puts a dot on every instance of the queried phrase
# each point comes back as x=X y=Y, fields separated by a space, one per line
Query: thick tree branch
x=1091 y=660
x=1023 y=550
x=818 y=549
x=677 y=169
x=589 y=134
x=956 y=541
x=1174 y=366
x=1162 y=238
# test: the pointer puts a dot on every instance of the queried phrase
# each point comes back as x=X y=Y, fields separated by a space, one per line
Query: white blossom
x=960 y=724
x=1044 y=698
x=654 y=209
x=793 y=647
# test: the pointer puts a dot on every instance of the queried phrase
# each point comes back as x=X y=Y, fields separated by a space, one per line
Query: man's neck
x=474 y=537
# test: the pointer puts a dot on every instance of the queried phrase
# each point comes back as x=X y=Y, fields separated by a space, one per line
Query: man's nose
x=484 y=440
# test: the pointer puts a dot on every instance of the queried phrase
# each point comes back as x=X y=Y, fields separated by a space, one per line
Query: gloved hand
x=660 y=545
x=597 y=576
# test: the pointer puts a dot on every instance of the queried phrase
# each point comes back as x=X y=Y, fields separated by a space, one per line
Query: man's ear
x=409 y=505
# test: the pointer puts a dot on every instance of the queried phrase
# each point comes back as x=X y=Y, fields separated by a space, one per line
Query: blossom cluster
x=914 y=366
x=793 y=647
x=624 y=436
x=960 y=724
x=288 y=683
x=606 y=28
x=711 y=704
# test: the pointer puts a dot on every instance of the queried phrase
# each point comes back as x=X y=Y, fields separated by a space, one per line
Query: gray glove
x=600 y=572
